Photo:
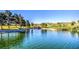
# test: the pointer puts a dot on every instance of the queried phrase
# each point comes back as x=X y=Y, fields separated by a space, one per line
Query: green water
x=39 y=39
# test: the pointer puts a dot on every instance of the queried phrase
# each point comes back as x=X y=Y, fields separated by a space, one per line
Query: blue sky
x=39 y=16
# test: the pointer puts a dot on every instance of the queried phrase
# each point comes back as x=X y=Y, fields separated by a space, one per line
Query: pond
x=39 y=39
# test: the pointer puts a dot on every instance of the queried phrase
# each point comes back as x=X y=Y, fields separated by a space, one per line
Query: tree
x=2 y=19
x=72 y=23
x=27 y=23
x=8 y=13
x=32 y=24
x=59 y=24
x=16 y=16
x=78 y=21
x=8 y=18
x=23 y=23
x=44 y=25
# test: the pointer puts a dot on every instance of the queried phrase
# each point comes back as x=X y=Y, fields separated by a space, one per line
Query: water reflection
x=44 y=32
x=75 y=34
x=10 y=40
x=43 y=39
x=28 y=33
x=31 y=31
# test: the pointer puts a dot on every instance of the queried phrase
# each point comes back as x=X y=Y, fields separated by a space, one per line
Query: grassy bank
x=11 y=27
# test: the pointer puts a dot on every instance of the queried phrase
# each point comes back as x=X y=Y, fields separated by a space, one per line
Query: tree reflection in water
x=11 y=40
x=44 y=33
x=28 y=33
x=74 y=34
x=31 y=31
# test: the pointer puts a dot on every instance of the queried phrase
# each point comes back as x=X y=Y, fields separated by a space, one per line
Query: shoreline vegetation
x=13 y=21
